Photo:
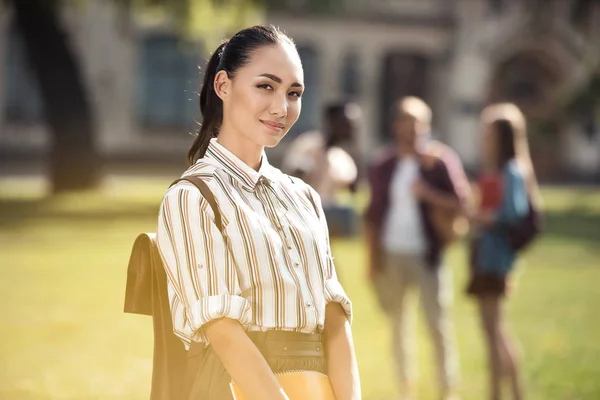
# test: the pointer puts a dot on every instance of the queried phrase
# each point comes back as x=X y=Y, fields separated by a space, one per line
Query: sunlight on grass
x=64 y=335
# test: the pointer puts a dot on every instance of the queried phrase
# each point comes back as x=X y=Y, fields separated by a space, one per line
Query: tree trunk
x=73 y=163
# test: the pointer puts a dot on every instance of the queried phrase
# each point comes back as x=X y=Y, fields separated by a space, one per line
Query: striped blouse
x=270 y=267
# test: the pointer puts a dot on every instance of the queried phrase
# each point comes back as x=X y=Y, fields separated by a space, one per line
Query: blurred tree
x=74 y=162
x=583 y=103
x=307 y=6
x=210 y=20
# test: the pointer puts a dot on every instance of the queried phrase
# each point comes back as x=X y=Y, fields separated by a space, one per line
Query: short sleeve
x=202 y=280
x=334 y=292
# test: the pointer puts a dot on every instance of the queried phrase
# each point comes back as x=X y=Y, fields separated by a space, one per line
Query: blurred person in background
x=264 y=298
x=409 y=182
x=506 y=185
x=329 y=162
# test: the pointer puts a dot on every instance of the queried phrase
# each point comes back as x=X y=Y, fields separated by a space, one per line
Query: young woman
x=506 y=185
x=261 y=295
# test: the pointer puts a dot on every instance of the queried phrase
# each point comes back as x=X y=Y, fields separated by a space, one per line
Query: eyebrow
x=278 y=79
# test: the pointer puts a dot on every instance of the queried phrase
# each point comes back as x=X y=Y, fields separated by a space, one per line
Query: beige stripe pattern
x=270 y=267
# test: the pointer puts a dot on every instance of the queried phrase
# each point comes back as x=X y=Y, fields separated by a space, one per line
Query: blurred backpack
x=146 y=294
x=449 y=225
x=527 y=230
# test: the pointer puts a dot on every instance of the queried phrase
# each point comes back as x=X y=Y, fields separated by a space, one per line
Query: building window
x=22 y=97
x=350 y=76
x=310 y=116
x=496 y=7
x=169 y=81
x=404 y=74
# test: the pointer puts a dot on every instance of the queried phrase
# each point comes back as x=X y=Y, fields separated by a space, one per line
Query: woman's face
x=263 y=99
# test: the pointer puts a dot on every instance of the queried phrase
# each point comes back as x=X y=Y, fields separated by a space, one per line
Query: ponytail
x=211 y=108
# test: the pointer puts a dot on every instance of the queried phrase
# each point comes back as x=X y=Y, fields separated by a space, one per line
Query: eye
x=265 y=86
x=296 y=94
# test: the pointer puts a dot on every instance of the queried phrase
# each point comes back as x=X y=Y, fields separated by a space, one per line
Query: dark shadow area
x=16 y=212
x=575 y=224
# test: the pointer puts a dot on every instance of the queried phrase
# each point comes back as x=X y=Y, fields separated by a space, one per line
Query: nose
x=279 y=106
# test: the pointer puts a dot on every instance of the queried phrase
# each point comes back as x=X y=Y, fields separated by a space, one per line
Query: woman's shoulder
x=202 y=169
x=513 y=169
x=514 y=173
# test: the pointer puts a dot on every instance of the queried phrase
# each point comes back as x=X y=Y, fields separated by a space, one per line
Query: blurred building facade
x=458 y=55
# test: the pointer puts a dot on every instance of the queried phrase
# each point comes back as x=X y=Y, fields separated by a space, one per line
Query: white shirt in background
x=403 y=230
x=328 y=171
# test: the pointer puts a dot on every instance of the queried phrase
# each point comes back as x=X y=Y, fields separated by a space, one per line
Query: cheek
x=247 y=105
x=294 y=109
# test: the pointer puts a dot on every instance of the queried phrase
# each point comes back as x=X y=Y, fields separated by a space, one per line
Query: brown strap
x=207 y=194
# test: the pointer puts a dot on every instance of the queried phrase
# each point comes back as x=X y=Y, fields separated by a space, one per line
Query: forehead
x=405 y=115
x=281 y=60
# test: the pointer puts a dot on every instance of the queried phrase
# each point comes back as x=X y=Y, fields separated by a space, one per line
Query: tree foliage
x=210 y=20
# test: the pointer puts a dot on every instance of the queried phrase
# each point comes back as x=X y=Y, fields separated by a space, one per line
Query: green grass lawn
x=64 y=336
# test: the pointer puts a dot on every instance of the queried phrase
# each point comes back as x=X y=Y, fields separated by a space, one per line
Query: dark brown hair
x=504 y=135
x=229 y=57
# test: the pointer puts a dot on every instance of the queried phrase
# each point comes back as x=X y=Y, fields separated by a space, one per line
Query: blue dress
x=494 y=254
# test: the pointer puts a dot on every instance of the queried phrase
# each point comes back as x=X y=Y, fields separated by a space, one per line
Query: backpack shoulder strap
x=207 y=194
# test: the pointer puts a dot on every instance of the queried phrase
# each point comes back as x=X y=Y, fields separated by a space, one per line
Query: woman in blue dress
x=506 y=185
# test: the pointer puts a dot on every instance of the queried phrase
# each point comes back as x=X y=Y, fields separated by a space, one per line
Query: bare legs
x=501 y=355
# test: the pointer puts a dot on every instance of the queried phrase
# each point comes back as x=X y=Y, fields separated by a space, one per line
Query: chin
x=272 y=140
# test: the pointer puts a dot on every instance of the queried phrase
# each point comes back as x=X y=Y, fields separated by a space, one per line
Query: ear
x=222 y=84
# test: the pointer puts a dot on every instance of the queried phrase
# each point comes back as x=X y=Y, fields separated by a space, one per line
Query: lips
x=274 y=126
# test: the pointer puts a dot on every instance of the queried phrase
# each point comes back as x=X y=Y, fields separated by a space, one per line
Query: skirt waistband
x=288 y=344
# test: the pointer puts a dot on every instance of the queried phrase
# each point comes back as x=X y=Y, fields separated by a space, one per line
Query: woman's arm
x=243 y=361
x=342 y=367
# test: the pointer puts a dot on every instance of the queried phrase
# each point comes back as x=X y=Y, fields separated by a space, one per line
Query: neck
x=404 y=150
x=247 y=151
